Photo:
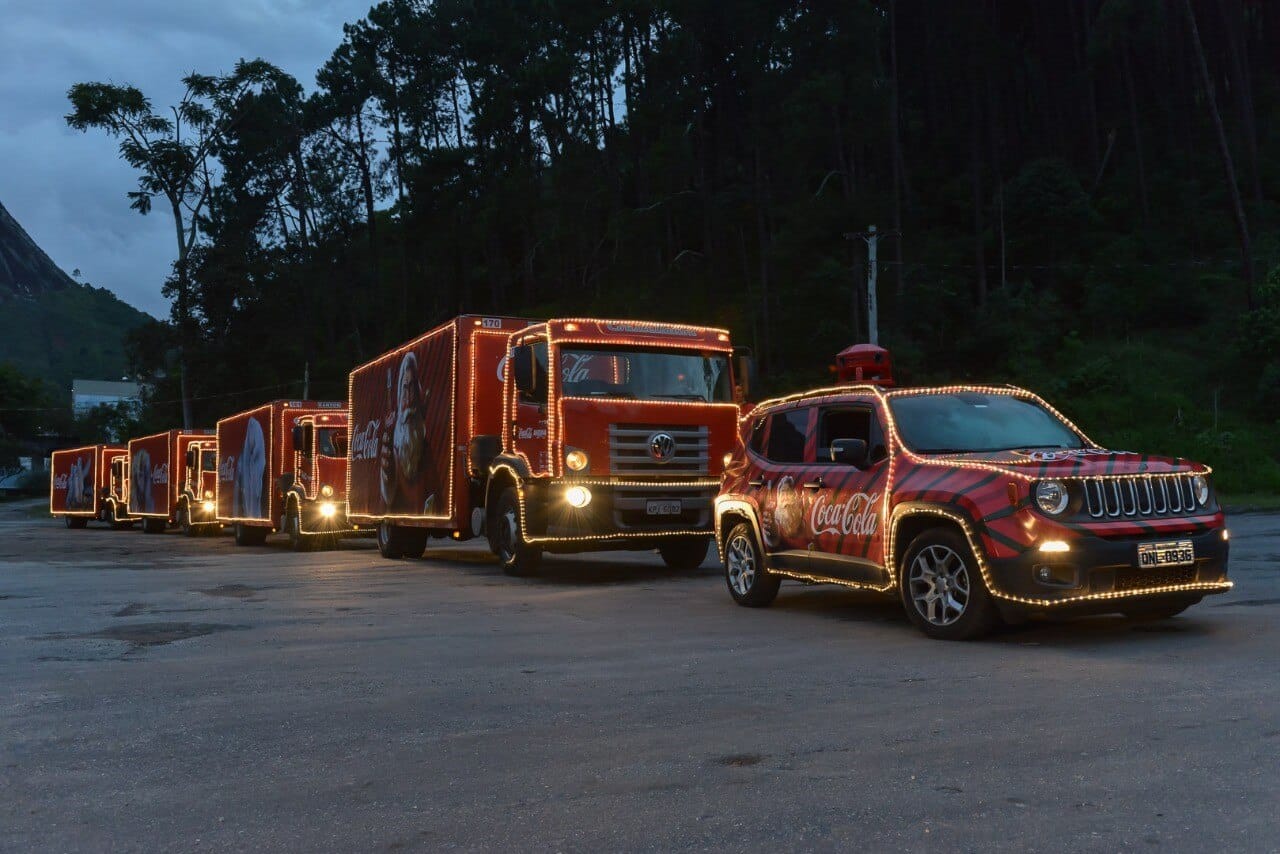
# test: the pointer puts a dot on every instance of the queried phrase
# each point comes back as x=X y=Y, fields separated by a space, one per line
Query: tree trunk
x=895 y=138
x=1242 y=88
x=975 y=175
x=1233 y=190
x=183 y=311
x=1137 y=135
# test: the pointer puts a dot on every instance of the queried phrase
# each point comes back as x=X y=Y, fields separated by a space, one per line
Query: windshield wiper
x=696 y=397
x=625 y=395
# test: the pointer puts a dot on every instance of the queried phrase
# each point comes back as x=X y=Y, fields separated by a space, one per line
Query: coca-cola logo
x=854 y=516
x=227 y=468
x=575 y=367
x=160 y=474
x=364 y=443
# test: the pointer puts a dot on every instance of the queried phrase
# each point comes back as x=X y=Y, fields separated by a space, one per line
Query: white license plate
x=1177 y=553
x=662 y=508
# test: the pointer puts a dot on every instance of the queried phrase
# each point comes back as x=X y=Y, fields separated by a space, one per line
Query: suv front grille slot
x=629 y=450
x=1146 y=579
x=1137 y=497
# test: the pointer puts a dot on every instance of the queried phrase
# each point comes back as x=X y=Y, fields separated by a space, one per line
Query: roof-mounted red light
x=865 y=363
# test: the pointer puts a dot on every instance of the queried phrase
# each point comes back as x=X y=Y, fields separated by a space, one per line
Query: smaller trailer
x=157 y=472
x=282 y=466
x=90 y=482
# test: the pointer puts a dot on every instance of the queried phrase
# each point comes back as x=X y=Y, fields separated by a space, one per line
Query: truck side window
x=539 y=393
x=787 y=435
x=854 y=422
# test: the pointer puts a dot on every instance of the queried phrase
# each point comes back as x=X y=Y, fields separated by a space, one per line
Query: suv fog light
x=327 y=509
x=576 y=460
x=1055 y=546
x=1052 y=497
x=207 y=506
x=1226 y=535
x=577 y=496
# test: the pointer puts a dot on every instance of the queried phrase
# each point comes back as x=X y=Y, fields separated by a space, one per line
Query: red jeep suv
x=972 y=504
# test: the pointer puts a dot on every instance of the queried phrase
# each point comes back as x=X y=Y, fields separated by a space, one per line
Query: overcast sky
x=67 y=188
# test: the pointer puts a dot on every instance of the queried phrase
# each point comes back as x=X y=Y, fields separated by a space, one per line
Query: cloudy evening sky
x=67 y=188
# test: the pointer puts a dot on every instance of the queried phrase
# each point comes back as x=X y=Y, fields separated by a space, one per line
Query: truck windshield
x=331 y=442
x=972 y=422
x=645 y=374
x=208 y=460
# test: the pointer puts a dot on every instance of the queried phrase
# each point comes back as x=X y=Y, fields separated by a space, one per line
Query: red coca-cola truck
x=159 y=490
x=90 y=483
x=282 y=466
x=562 y=436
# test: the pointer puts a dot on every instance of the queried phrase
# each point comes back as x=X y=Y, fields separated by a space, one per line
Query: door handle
x=814 y=484
x=757 y=483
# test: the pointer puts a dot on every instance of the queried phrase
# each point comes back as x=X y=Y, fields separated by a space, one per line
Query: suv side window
x=787 y=435
x=851 y=422
x=757 y=436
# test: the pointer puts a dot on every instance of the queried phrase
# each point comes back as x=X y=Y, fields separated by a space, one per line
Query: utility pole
x=872 y=238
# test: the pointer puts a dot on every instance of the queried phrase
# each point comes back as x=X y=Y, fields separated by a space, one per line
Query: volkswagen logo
x=662 y=447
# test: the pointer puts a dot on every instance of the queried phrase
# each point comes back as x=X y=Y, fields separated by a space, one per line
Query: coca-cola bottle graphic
x=386 y=454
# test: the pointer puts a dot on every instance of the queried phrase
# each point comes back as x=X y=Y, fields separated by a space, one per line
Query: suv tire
x=749 y=581
x=941 y=587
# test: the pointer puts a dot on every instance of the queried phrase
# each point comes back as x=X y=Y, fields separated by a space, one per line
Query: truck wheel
x=1159 y=610
x=152 y=525
x=298 y=541
x=389 y=544
x=684 y=555
x=942 y=589
x=118 y=522
x=517 y=557
x=75 y=522
x=184 y=521
x=413 y=542
x=249 y=535
x=750 y=582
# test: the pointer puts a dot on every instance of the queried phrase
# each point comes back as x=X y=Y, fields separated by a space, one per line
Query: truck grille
x=1134 y=497
x=629 y=450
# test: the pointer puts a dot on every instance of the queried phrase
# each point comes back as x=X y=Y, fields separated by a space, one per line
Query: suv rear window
x=787 y=431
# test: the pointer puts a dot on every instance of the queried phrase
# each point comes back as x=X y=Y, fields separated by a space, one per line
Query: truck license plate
x=1177 y=553
x=662 y=508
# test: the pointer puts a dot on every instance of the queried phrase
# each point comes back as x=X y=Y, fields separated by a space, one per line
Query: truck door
x=529 y=427
x=847 y=500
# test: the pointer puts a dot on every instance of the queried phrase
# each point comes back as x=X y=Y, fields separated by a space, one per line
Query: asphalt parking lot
x=163 y=693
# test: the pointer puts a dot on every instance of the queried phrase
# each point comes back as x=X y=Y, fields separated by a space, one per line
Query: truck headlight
x=1052 y=497
x=327 y=509
x=326 y=490
x=207 y=506
x=577 y=459
x=577 y=496
x=1200 y=484
x=208 y=493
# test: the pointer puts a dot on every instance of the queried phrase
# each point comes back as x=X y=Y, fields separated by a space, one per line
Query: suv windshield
x=972 y=422
x=645 y=374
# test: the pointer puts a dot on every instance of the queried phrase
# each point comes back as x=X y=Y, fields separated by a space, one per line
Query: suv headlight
x=1052 y=497
x=1200 y=484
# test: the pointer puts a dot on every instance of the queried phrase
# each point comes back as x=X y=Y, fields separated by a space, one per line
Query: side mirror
x=297 y=438
x=191 y=458
x=302 y=440
x=522 y=369
x=744 y=372
x=851 y=452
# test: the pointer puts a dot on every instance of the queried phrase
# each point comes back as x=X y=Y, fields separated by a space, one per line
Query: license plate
x=662 y=508
x=1177 y=553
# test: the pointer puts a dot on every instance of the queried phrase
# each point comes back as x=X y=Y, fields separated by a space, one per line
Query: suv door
x=845 y=512
x=779 y=449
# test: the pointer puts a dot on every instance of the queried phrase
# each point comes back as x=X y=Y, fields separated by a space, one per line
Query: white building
x=86 y=394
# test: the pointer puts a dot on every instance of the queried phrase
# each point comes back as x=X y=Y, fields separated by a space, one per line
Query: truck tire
x=749 y=580
x=684 y=555
x=184 y=520
x=389 y=545
x=941 y=587
x=298 y=541
x=118 y=522
x=250 y=535
x=152 y=525
x=75 y=522
x=517 y=557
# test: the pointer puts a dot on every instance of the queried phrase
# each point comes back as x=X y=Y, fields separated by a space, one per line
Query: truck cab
x=315 y=489
x=614 y=437
x=197 y=510
x=114 y=506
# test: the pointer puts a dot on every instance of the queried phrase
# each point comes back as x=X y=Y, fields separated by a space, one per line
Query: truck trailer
x=90 y=483
x=158 y=478
x=559 y=436
x=282 y=466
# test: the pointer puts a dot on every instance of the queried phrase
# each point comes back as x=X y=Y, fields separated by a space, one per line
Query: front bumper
x=618 y=510
x=314 y=521
x=1098 y=574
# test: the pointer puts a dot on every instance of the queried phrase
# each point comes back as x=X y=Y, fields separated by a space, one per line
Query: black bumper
x=619 y=510
x=1101 y=574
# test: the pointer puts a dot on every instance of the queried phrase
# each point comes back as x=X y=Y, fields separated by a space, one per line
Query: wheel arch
x=913 y=518
x=505 y=470
x=729 y=512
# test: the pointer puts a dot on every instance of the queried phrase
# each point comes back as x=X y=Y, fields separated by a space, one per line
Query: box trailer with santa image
x=90 y=483
x=159 y=491
x=468 y=431
x=283 y=466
